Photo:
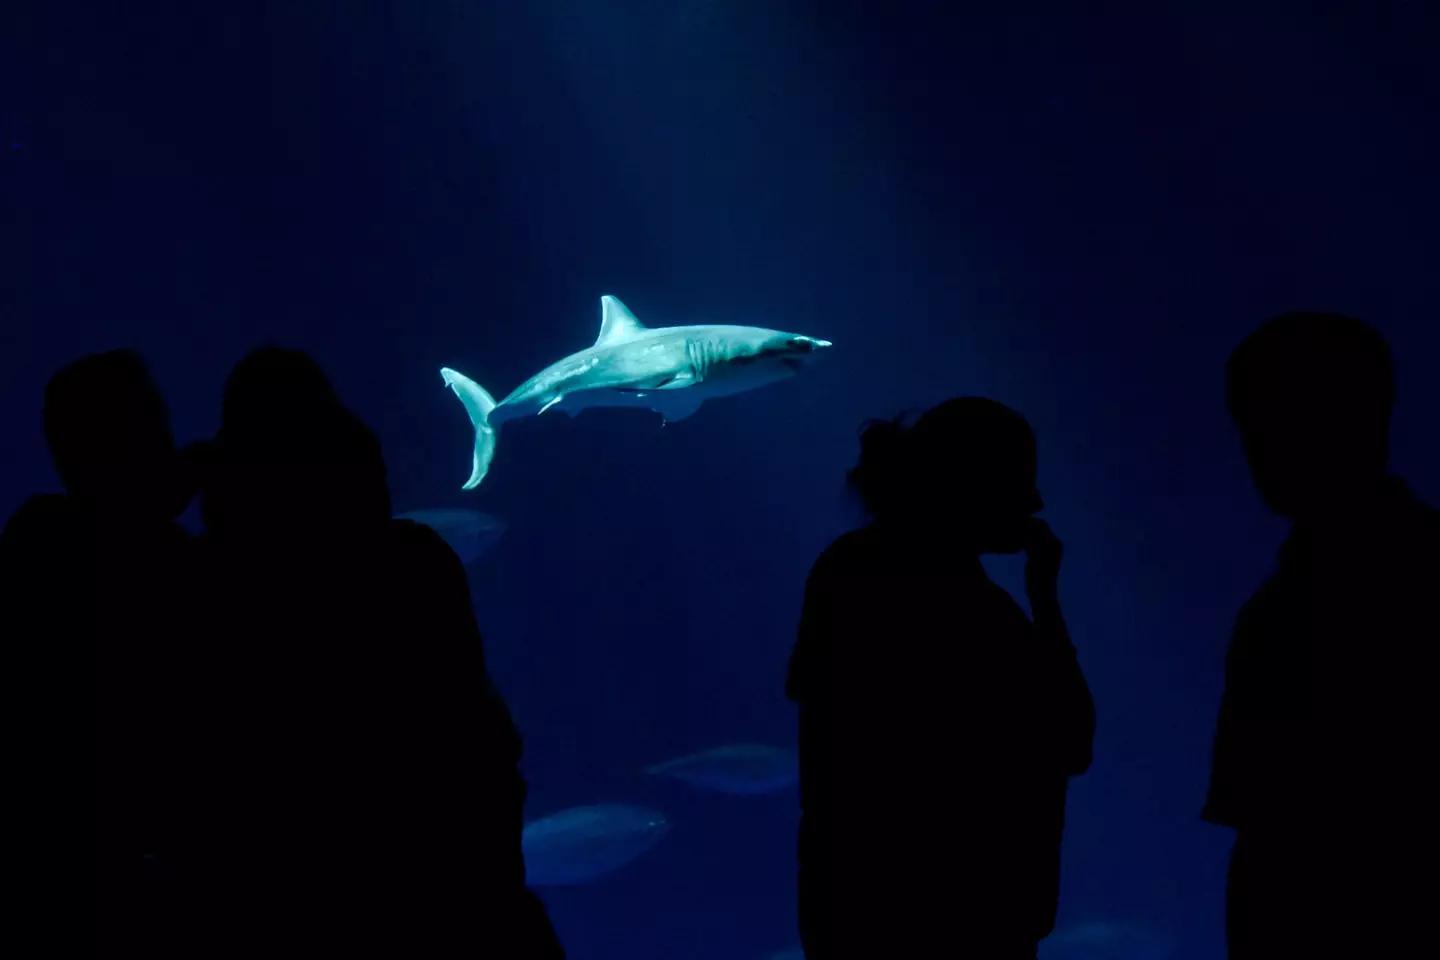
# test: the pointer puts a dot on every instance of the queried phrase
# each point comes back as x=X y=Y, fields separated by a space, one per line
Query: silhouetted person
x=357 y=788
x=92 y=583
x=938 y=725
x=1324 y=745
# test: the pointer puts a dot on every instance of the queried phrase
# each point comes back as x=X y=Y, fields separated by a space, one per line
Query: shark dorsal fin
x=617 y=323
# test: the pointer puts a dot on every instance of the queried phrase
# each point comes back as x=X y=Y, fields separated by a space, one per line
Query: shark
x=669 y=370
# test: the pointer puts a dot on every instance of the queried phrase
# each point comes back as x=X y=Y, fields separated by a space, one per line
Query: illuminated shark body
x=670 y=370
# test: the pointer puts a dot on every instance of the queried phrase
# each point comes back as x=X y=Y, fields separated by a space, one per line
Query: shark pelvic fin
x=478 y=404
x=675 y=405
x=617 y=323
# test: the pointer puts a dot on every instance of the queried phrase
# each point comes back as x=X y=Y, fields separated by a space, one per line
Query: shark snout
x=799 y=350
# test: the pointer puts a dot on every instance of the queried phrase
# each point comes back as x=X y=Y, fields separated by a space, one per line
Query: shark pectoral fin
x=667 y=381
x=677 y=405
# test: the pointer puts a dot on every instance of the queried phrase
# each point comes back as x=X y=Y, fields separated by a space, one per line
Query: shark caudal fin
x=478 y=405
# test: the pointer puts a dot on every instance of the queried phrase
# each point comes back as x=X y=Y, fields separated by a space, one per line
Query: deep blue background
x=1077 y=214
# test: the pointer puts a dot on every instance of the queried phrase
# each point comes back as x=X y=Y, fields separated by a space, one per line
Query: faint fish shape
x=468 y=532
x=1102 y=940
x=582 y=843
x=741 y=768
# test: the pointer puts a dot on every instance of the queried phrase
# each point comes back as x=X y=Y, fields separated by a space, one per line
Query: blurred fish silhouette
x=741 y=768
x=1100 y=940
x=469 y=532
x=582 y=843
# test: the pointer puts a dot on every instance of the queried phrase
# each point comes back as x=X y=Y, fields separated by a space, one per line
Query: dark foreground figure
x=938 y=725
x=1323 y=760
x=280 y=741
x=90 y=589
x=354 y=787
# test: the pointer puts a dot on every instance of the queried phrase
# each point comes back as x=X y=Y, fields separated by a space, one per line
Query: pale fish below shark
x=1096 y=940
x=742 y=768
x=1102 y=940
x=670 y=370
x=468 y=532
x=1086 y=941
x=583 y=843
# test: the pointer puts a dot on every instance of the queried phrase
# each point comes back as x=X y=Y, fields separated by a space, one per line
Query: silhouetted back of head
x=290 y=455
x=273 y=402
x=1312 y=395
x=966 y=467
x=109 y=433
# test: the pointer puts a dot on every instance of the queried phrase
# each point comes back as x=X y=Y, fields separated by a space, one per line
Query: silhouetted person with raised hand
x=357 y=788
x=1323 y=755
x=938 y=724
x=92 y=588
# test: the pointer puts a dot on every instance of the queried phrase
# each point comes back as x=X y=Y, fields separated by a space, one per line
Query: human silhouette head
x=289 y=454
x=109 y=434
x=1311 y=394
x=965 y=471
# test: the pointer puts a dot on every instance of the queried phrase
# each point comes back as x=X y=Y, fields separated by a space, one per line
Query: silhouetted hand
x=1043 y=551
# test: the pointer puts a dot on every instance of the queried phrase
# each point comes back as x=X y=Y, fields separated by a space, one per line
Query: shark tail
x=478 y=404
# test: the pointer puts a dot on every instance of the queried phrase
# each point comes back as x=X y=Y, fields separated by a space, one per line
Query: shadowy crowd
x=288 y=744
x=279 y=738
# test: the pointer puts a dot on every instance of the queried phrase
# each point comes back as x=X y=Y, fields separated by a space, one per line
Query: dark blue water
x=1078 y=215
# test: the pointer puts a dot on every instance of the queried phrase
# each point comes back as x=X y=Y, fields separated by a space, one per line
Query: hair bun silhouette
x=964 y=440
x=877 y=475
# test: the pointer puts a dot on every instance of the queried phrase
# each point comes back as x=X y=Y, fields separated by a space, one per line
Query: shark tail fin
x=478 y=404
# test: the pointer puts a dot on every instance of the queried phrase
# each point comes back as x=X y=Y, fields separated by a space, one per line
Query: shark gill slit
x=698 y=353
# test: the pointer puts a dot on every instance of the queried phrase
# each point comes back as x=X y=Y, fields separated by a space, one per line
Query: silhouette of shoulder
x=37 y=517
x=432 y=570
x=873 y=586
x=1331 y=613
x=38 y=559
x=445 y=625
x=834 y=576
x=410 y=534
x=1419 y=533
x=42 y=589
x=850 y=554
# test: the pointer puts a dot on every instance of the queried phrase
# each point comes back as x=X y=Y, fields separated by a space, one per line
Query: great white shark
x=671 y=370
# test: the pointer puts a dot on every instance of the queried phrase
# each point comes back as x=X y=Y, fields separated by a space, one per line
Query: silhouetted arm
x=470 y=719
x=1072 y=711
x=12 y=570
x=31 y=579
x=811 y=675
x=809 y=685
x=475 y=749
x=1074 y=708
x=1229 y=760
